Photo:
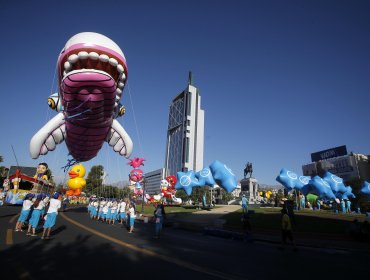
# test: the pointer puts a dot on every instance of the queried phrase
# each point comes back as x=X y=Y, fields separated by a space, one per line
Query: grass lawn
x=307 y=221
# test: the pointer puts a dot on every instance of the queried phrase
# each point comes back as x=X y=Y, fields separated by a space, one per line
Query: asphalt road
x=84 y=249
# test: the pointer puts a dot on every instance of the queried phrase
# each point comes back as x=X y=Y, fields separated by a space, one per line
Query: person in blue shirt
x=303 y=202
x=348 y=206
x=318 y=204
x=244 y=204
x=343 y=204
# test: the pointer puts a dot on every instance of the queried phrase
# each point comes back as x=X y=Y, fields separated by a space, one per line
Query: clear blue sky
x=278 y=79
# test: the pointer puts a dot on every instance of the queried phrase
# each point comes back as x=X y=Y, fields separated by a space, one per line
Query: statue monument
x=249 y=185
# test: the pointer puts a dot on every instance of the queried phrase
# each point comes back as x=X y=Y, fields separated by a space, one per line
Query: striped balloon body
x=88 y=100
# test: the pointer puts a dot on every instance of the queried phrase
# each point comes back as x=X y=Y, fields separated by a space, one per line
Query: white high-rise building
x=185 y=132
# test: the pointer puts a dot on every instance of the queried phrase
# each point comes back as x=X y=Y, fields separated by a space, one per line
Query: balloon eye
x=78 y=170
x=51 y=103
x=121 y=111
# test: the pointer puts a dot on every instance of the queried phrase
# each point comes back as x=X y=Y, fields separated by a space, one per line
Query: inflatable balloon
x=335 y=182
x=223 y=176
x=76 y=182
x=136 y=162
x=321 y=188
x=302 y=182
x=186 y=181
x=365 y=188
x=205 y=177
x=287 y=178
x=136 y=175
x=171 y=180
x=92 y=74
x=348 y=194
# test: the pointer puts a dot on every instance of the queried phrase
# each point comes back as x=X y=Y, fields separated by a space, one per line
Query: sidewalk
x=211 y=222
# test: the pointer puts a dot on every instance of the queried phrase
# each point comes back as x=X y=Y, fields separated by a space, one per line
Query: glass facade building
x=185 y=132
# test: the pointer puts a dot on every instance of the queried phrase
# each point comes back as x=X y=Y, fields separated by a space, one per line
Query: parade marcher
x=113 y=212
x=159 y=216
x=38 y=206
x=132 y=213
x=54 y=205
x=122 y=209
x=26 y=208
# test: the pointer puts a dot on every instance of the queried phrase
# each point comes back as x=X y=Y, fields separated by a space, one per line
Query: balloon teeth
x=105 y=63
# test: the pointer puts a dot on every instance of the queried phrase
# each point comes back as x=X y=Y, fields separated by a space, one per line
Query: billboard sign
x=330 y=153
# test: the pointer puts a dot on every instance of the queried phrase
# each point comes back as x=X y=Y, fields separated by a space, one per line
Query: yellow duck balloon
x=77 y=182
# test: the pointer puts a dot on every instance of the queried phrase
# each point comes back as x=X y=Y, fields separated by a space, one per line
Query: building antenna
x=15 y=156
x=190 y=80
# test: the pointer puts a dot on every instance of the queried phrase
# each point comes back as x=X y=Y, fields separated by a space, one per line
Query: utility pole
x=142 y=200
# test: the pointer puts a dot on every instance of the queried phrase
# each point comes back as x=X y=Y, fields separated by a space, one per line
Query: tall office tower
x=185 y=133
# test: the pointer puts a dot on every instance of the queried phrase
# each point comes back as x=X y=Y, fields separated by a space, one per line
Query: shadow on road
x=41 y=259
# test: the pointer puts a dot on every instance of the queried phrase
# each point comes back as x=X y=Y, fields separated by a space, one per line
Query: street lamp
x=142 y=200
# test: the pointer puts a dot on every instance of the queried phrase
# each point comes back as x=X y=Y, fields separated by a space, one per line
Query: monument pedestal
x=249 y=188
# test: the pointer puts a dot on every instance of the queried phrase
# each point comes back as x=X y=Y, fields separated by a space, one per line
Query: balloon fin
x=46 y=139
x=119 y=140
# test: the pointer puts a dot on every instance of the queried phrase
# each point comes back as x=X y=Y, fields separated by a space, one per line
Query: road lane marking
x=173 y=260
x=9 y=237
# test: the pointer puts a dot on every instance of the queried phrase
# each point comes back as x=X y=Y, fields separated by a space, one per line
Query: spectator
x=247 y=228
x=159 y=216
x=286 y=229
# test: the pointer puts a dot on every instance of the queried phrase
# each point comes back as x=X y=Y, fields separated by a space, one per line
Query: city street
x=84 y=248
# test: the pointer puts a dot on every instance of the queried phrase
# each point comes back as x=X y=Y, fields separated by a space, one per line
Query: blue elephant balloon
x=223 y=176
x=365 y=188
x=302 y=183
x=287 y=178
x=205 y=177
x=186 y=181
x=348 y=194
x=321 y=188
x=335 y=182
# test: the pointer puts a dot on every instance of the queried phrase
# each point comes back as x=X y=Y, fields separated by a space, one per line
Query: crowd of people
x=123 y=212
x=39 y=211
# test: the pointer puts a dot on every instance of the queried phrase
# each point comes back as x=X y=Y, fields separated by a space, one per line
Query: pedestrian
x=26 y=208
x=244 y=204
x=289 y=205
x=318 y=204
x=348 y=206
x=343 y=205
x=286 y=229
x=132 y=213
x=303 y=202
x=2 y=197
x=51 y=215
x=38 y=206
x=159 y=216
x=247 y=228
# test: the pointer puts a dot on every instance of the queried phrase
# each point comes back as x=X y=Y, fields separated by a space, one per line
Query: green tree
x=226 y=196
x=94 y=178
x=182 y=194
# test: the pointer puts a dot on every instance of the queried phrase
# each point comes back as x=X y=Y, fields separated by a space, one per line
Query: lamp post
x=142 y=200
